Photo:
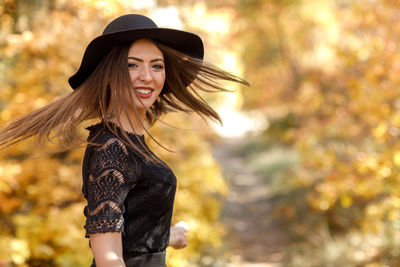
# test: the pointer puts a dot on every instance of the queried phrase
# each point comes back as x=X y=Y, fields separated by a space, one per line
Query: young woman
x=129 y=76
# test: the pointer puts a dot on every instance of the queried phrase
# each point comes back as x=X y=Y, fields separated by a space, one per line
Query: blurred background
x=304 y=172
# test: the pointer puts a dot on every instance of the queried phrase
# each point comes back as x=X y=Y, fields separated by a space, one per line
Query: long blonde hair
x=106 y=86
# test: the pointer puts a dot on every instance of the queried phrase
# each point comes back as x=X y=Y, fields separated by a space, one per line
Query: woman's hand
x=178 y=235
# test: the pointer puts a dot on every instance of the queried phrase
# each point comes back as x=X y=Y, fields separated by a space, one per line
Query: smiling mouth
x=144 y=92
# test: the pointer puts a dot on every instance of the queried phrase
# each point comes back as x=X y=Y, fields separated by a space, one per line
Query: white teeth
x=143 y=91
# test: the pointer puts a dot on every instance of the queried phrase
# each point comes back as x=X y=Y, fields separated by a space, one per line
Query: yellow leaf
x=396 y=158
x=380 y=130
x=346 y=201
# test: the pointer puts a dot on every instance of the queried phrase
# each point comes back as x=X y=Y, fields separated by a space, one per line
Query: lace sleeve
x=109 y=177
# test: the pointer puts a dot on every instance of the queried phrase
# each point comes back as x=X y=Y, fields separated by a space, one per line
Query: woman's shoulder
x=104 y=145
x=100 y=134
x=101 y=138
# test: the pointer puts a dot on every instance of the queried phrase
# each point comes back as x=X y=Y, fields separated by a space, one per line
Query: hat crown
x=129 y=22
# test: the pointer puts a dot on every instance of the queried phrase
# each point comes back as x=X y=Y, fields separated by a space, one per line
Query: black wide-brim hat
x=129 y=28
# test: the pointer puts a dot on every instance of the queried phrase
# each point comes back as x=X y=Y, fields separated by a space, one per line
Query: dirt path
x=253 y=236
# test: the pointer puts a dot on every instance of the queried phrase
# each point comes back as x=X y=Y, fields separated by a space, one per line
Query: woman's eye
x=132 y=65
x=159 y=67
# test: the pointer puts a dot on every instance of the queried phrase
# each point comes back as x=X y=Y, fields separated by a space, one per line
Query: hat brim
x=185 y=42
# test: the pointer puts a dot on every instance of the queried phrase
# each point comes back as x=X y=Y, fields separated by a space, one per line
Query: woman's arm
x=107 y=176
x=107 y=249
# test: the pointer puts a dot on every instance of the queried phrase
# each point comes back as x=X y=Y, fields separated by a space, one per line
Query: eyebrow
x=141 y=60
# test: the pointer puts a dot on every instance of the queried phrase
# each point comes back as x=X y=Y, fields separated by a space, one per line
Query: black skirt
x=144 y=260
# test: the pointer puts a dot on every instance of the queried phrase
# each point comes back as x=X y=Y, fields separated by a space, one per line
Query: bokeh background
x=304 y=172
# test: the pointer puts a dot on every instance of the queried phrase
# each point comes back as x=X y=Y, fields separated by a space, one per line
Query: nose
x=145 y=74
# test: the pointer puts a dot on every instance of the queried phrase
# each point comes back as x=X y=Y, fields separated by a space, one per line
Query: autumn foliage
x=327 y=77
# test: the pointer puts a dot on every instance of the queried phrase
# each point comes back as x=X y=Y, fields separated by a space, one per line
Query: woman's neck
x=135 y=124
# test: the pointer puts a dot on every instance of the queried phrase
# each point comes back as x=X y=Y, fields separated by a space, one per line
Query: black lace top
x=127 y=193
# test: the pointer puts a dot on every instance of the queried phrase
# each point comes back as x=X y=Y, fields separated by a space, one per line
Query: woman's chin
x=145 y=105
x=140 y=108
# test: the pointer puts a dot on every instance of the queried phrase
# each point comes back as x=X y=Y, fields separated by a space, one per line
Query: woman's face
x=147 y=72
